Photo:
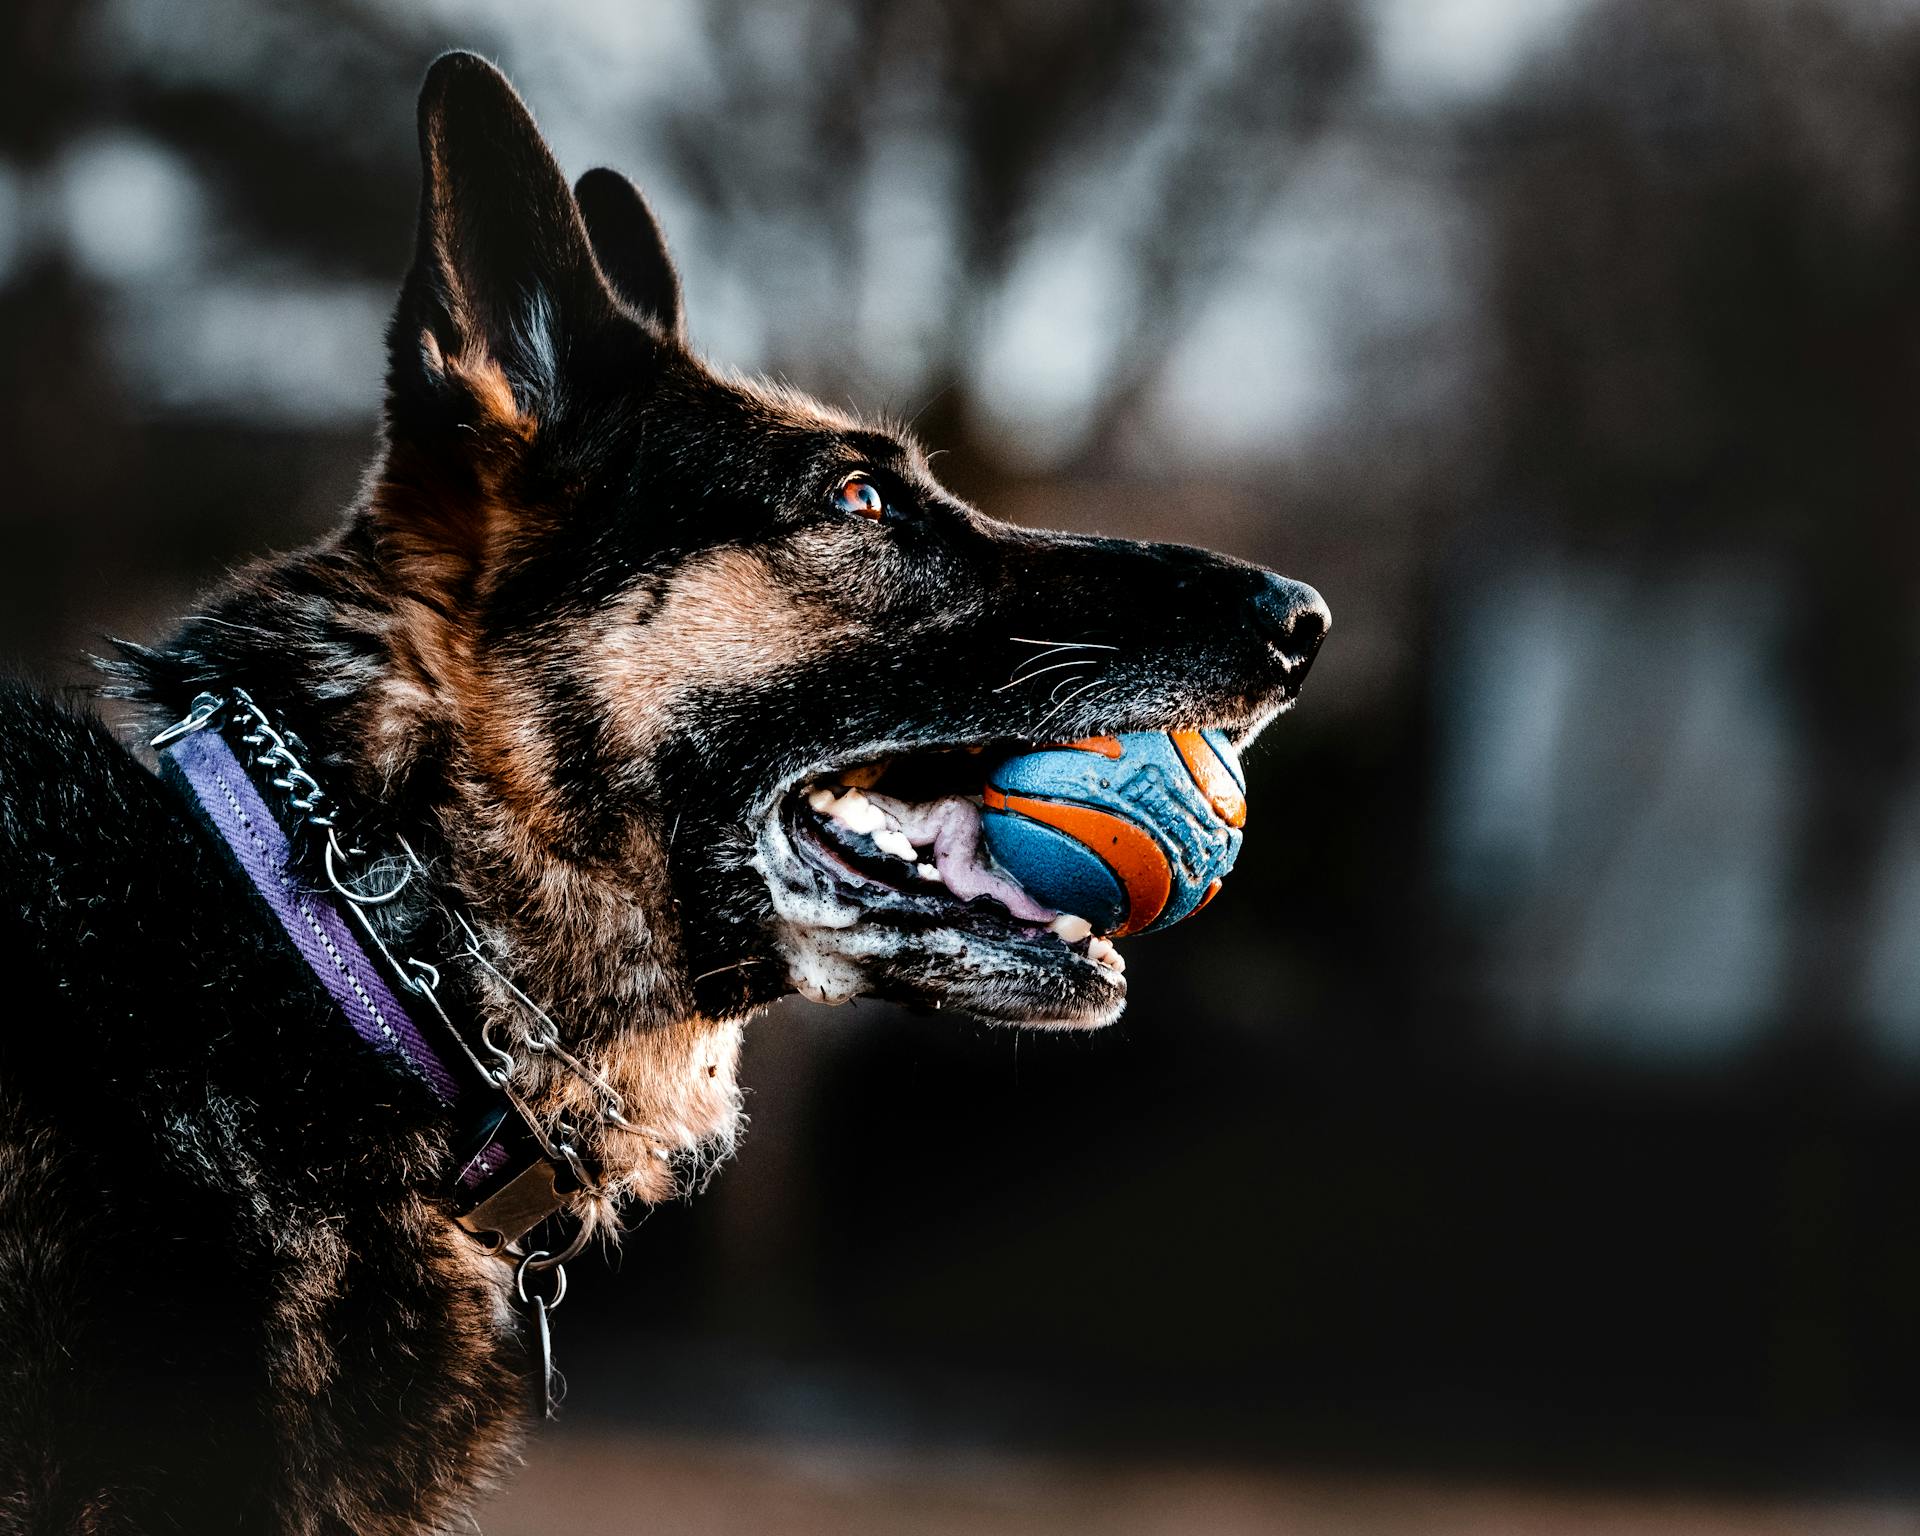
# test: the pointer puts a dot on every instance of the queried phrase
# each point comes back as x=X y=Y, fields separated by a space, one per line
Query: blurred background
x=1530 y=1138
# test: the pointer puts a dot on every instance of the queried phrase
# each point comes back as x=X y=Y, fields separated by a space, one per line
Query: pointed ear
x=503 y=277
x=631 y=250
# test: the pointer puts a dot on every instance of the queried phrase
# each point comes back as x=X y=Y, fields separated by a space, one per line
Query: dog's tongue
x=951 y=827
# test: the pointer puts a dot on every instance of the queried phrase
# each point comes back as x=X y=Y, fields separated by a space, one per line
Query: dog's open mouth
x=882 y=884
x=903 y=838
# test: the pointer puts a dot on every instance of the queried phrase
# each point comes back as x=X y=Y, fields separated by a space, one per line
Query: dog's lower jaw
x=943 y=968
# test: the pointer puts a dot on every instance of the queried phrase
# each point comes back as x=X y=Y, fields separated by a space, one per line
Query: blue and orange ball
x=1131 y=832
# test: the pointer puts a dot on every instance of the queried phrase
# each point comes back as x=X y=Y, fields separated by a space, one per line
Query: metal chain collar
x=279 y=754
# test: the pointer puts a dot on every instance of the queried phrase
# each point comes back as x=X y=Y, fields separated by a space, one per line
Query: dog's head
x=663 y=608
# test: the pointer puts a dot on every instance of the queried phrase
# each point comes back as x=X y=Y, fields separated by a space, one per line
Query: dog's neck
x=414 y=735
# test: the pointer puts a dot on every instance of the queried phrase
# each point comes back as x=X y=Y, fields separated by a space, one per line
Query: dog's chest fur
x=223 y=1303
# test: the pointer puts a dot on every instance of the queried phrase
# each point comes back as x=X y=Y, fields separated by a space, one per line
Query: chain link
x=279 y=755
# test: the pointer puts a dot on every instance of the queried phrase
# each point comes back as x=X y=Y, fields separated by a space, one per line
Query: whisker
x=938 y=395
x=721 y=969
x=1064 y=703
x=1085 y=645
x=1043 y=655
x=1026 y=677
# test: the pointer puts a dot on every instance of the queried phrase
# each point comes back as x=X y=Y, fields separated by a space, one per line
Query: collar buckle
x=513 y=1210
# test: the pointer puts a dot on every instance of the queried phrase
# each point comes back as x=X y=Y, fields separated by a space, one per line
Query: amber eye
x=861 y=495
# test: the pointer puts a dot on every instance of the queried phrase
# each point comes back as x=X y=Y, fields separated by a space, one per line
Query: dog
x=484 y=824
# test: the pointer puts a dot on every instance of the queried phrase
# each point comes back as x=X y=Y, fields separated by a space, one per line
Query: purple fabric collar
x=502 y=1193
x=310 y=919
x=314 y=923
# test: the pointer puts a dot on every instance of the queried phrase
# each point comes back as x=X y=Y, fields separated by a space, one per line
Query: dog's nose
x=1294 y=619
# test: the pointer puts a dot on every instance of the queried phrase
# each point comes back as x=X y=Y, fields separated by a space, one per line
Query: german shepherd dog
x=600 y=619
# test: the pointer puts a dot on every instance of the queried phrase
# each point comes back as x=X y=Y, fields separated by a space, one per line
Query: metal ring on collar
x=205 y=706
x=359 y=899
x=533 y=1261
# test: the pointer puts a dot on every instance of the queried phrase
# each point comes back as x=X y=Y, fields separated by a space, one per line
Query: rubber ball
x=1131 y=832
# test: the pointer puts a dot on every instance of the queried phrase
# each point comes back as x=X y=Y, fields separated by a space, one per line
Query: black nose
x=1294 y=619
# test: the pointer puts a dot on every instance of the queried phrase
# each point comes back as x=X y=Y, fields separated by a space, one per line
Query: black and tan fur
x=593 y=620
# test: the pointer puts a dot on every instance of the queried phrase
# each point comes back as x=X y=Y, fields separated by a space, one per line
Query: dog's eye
x=861 y=495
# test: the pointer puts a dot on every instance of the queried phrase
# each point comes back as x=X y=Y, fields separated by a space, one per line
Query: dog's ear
x=631 y=249
x=503 y=279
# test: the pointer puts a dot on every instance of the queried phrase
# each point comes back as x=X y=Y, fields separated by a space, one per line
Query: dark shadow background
x=1542 y=1100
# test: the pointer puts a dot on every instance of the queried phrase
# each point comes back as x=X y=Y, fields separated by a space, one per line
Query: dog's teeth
x=822 y=801
x=892 y=840
x=930 y=872
x=1100 y=952
x=857 y=813
x=1072 y=929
